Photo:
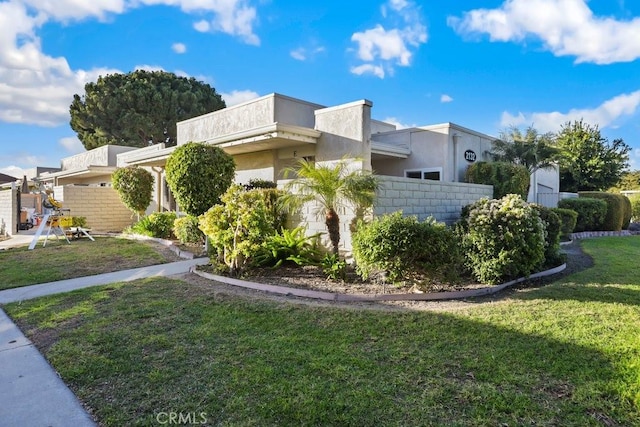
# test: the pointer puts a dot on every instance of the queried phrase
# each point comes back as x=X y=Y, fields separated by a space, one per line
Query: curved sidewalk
x=31 y=391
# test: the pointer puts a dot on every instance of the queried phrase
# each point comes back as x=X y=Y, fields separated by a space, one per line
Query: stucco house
x=421 y=169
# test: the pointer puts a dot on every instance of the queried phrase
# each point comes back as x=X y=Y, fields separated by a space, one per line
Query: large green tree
x=139 y=108
x=529 y=148
x=331 y=186
x=588 y=161
x=198 y=174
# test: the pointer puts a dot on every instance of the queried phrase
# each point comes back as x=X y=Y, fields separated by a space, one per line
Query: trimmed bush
x=553 y=225
x=238 y=227
x=505 y=239
x=186 y=230
x=568 y=218
x=134 y=186
x=397 y=246
x=591 y=212
x=634 y=199
x=627 y=213
x=157 y=224
x=614 y=217
x=506 y=178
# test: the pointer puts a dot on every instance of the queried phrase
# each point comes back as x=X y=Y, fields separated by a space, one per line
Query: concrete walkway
x=31 y=392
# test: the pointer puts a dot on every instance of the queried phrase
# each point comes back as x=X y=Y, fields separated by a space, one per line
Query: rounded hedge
x=615 y=215
x=591 y=212
x=553 y=226
x=134 y=186
x=505 y=239
x=568 y=218
x=506 y=178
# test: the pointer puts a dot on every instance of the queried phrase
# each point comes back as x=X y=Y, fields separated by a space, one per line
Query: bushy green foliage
x=187 y=231
x=614 y=217
x=198 y=174
x=628 y=213
x=134 y=186
x=139 y=108
x=334 y=267
x=157 y=224
x=635 y=207
x=288 y=246
x=568 y=218
x=506 y=178
x=591 y=212
x=552 y=225
x=79 y=221
x=505 y=239
x=397 y=245
x=238 y=227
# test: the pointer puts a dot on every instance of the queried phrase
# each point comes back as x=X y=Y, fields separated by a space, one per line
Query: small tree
x=332 y=187
x=135 y=187
x=198 y=174
x=529 y=149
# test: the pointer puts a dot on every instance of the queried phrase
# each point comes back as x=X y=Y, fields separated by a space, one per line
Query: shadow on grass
x=161 y=345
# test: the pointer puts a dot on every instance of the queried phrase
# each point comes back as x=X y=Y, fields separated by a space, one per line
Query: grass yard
x=566 y=354
x=59 y=260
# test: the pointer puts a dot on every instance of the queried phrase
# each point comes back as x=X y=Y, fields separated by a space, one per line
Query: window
x=434 y=174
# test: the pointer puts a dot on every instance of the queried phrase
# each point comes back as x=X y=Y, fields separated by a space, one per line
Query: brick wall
x=8 y=212
x=423 y=198
x=100 y=205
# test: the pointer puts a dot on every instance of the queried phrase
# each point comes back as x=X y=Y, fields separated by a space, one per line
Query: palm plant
x=332 y=186
x=530 y=149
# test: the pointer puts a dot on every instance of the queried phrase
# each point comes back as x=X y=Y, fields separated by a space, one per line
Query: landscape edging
x=330 y=296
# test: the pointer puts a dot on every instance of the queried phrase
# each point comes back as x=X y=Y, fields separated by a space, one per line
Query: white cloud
x=71 y=145
x=603 y=115
x=634 y=159
x=179 y=48
x=376 y=70
x=238 y=96
x=392 y=46
x=566 y=27
x=444 y=98
x=37 y=88
x=202 y=26
x=303 y=54
x=13 y=171
x=399 y=125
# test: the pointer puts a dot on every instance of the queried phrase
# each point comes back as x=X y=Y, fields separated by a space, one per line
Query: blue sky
x=485 y=65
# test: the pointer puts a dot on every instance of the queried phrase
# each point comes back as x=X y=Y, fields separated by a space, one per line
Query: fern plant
x=289 y=246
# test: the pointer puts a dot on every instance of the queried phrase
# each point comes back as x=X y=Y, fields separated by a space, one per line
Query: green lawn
x=59 y=260
x=566 y=354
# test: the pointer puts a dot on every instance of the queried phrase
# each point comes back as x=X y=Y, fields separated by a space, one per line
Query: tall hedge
x=506 y=178
x=553 y=229
x=615 y=216
x=591 y=212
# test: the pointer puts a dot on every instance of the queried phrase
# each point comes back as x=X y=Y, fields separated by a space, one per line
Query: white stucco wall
x=101 y=156
x=8 y=211
x=260 y=165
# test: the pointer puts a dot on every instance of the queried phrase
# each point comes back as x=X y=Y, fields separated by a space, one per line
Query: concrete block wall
x=8 y=212
x=100 y=205
x=423 y=198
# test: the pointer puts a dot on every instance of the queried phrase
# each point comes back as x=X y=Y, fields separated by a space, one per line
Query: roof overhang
x=156 y=158
x=269 y=137
x=88 y=172
x=388 y=150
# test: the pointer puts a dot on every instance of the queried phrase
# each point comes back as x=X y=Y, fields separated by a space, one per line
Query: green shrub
x=157 y=224
x=289 y=246
x=635 y=207
x=591 y=212
x=134 y=186
x=506 y=178
x=238 y=227
x=259 y=183
x=186 y=230
x=568 y=218
x=398 y=245
x=552 y=225
x=614 y=217
x=627 y=213
x=505 y=239
x=334 y=267
x=79 y=221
